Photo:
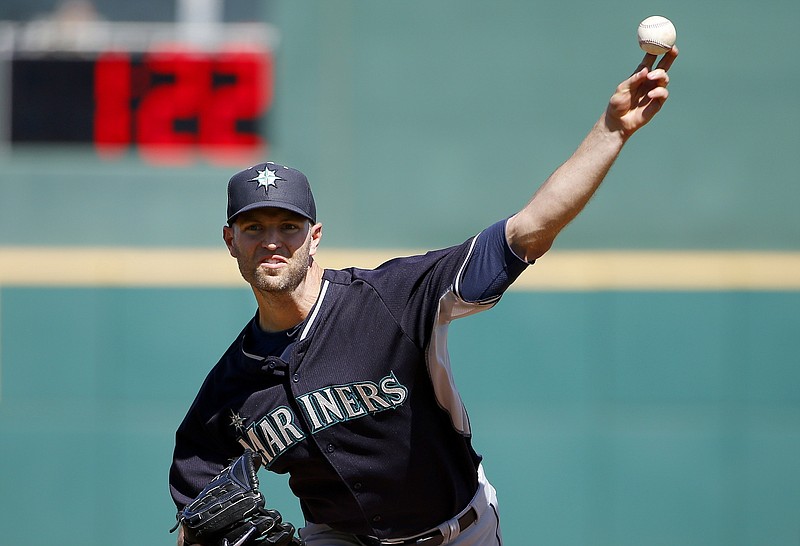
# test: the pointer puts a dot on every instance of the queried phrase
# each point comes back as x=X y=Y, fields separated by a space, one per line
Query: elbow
x=532 y=248
x=538 y=249
x=530 y=243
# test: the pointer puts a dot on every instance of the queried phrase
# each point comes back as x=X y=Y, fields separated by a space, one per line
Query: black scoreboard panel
x=52 y=100
x=168 y=104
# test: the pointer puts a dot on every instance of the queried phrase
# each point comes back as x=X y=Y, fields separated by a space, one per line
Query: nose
x=271 y=240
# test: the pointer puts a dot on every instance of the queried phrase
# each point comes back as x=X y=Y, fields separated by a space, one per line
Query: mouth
x=273 y=262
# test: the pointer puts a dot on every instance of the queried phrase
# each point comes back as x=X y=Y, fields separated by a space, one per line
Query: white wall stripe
x=557 y=270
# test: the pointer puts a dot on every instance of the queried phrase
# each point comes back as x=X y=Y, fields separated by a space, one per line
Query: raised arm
x=563 y=195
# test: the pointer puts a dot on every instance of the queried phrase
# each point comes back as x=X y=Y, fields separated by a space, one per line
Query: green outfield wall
x=621 y=418
x=657 y=403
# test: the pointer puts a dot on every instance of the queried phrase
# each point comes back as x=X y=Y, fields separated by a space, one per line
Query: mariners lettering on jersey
x=339 y=403
x=277 y=431
x=272 y=434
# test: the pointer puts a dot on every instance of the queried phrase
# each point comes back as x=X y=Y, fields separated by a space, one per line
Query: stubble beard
x=281 y=281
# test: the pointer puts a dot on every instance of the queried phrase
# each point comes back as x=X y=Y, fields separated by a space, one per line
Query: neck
x=281 y=311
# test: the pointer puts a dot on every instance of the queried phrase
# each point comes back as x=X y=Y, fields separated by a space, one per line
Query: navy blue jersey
x=358 y=402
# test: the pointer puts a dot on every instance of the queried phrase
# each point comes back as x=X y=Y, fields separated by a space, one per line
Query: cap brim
x=271 y=204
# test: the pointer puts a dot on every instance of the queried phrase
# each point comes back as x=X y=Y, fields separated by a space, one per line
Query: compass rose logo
x=237 y=421
x=267 y=178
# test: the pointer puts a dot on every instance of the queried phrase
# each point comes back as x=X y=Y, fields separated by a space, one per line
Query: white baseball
x=656 y=35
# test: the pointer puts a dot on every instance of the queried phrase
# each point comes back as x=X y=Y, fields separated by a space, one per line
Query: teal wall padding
x=611 y=418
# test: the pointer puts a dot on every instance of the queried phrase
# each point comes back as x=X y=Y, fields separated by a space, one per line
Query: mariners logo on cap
x=267 y=178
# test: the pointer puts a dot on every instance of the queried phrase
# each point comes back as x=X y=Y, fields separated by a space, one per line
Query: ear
x=316 y=237
x=227 y=236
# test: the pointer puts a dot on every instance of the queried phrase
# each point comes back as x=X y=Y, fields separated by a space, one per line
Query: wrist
x=610 y=132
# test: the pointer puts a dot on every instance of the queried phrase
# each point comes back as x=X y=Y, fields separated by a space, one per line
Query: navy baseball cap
x=270 y=185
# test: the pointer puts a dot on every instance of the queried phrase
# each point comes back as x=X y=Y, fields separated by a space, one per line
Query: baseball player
x=342 y=378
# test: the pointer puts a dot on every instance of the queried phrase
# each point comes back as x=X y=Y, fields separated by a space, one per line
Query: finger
x=647 y=62
x=658 y=94
x=660 y=76
x=656 y=99
x=668 y=58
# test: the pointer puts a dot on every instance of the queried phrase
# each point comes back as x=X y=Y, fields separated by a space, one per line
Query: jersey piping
x=317 y=307
x=451 y=306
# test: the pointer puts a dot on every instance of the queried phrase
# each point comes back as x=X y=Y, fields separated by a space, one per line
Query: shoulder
x=402 y=267
x=404 y=279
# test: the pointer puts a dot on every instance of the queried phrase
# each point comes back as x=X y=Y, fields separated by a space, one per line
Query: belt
x=431 y=538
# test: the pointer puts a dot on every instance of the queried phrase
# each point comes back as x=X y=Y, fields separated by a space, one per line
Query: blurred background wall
x=640 y=385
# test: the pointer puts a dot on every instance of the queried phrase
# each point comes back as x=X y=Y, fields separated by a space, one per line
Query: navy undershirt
x=265 y=344
x=492 y=267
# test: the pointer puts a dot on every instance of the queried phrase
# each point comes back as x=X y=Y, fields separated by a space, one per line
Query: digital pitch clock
x=169 y=102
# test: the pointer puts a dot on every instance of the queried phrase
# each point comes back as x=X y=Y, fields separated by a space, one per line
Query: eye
x=251 y=227
x=290 y=228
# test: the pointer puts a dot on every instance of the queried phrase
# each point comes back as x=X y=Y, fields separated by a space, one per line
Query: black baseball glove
x=230 y=511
